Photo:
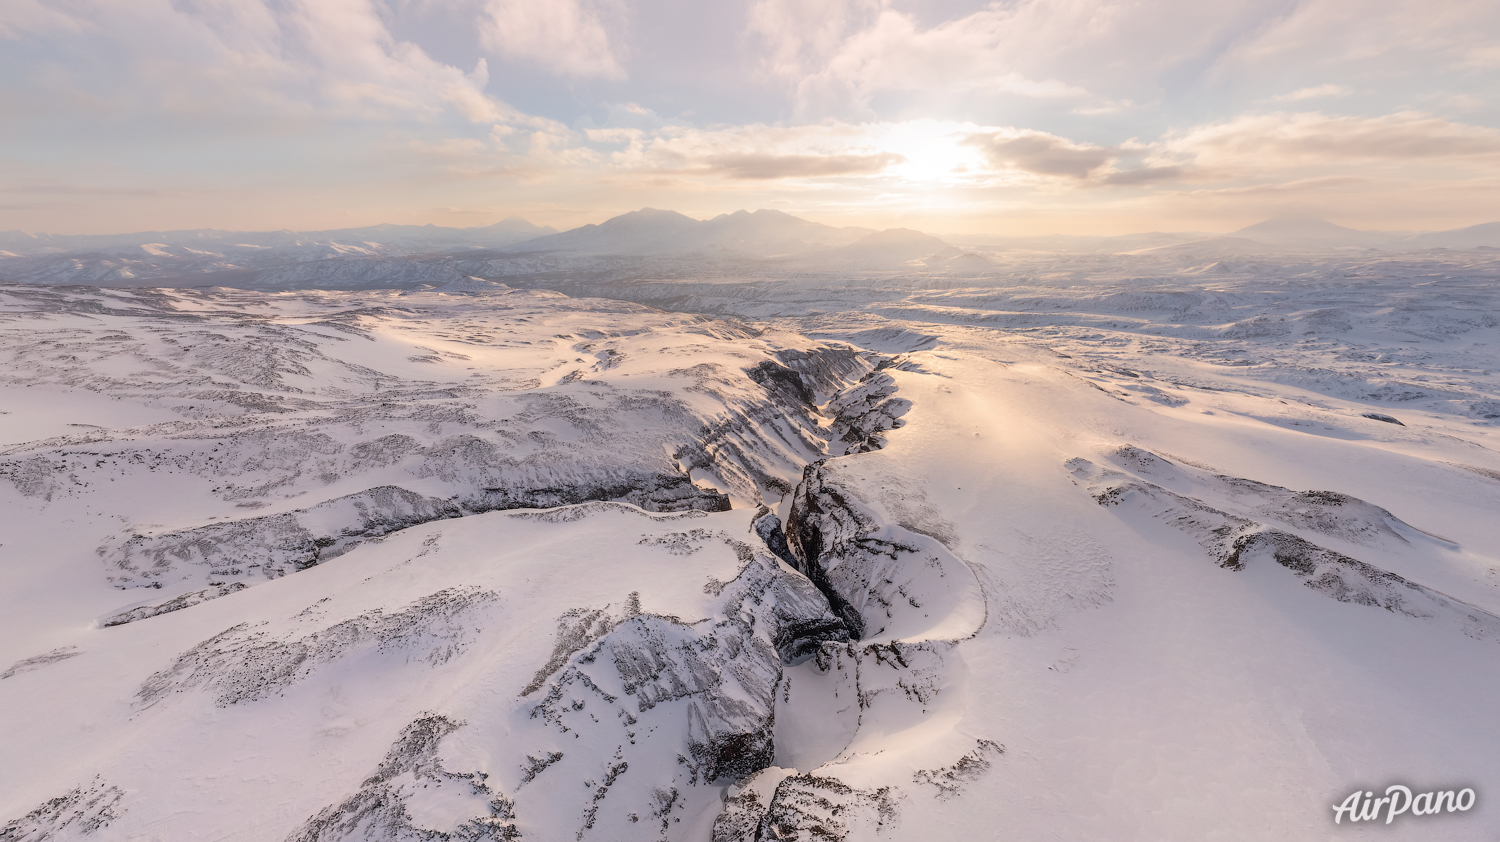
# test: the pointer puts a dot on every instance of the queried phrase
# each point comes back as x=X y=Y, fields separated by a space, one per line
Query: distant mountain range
x=1475 y=236
x=651 y=231
x=1278 y=235
x=400 y=256
x=373 y=238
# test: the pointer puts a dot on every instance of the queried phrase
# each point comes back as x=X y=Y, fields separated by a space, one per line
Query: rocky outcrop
x=806 y=806
x=880 y=578
x=1252 y=522
x=243 y=664
x=272 y=546
x=653 y=714
x=862 y=413
x=717 y=678
x=79 y=812
x=176 y=603
x=411 y=774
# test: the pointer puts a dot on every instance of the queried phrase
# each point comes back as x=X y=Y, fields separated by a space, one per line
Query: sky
x=1021 y=117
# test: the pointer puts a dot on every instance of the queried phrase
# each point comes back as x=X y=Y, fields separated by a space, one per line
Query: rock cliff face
x=863 y=413
x=653 y=713
x=301 y=431
x=898 y=592
x=885 y=580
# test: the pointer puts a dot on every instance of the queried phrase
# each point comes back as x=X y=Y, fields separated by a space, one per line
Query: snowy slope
x=1106 y=547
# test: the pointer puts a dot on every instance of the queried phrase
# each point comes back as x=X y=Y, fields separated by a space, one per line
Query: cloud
x=841 y=55
x=1301 y=185
x=1103 y=107
x=800 y=166
x=873 y=59
x=926 y=152
x=232 y=63
x=1313 y=138
x=562 y=36
x=905 y=151
x=1316 y=92
x=1145 y=175
x=798 y=37
x=51 y=187
x=1041 y=153
x=32 y=17
x=1483 y=57
x=1381 y=38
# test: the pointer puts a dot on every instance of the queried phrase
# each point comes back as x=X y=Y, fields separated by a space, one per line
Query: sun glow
x=935 y=152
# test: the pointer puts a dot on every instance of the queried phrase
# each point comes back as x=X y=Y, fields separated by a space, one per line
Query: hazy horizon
x=810 y=218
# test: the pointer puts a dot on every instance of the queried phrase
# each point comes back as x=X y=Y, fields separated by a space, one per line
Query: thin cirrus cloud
x=1317 y=139
x=542 y=109
x=1313 y=92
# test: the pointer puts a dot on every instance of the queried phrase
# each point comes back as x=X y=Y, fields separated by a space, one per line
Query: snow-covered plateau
x=1183 y=543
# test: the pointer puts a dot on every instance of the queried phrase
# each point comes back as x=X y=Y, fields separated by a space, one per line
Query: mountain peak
x=1296 y=227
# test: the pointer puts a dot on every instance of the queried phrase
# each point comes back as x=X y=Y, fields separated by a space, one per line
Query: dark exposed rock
x=379 y=809
x=241 y=664
x=702 y=692
x=83 y=811
x=863 y=412
x=768 y=526
x=1335 y=574
x=272 y=546
x=1377 y=416
x=950 y=780
x=275 y=545
x=1235 y=541
x=783 y=381
x=38 y=661
x=187 y=600
x=807 y=807
x=797 y=640
x=839 y=546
